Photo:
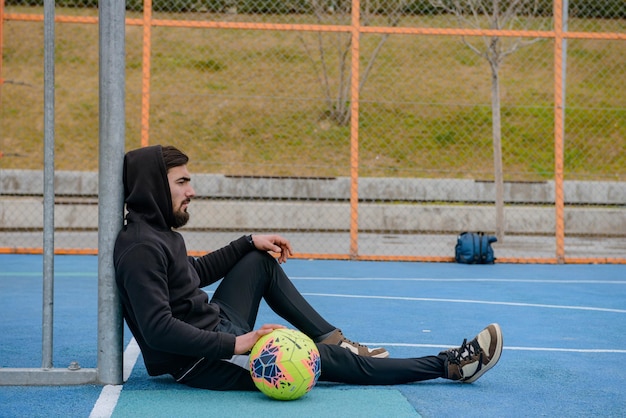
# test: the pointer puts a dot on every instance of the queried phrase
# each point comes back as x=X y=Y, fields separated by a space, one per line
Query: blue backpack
x=474 y=248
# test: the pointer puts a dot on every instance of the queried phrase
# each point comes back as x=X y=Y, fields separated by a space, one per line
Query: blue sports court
x=564 y=341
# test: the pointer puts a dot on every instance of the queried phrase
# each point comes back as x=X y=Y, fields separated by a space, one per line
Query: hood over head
x=146 y=187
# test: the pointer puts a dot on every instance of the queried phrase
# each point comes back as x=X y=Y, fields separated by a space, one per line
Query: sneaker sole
x=494 y=359
x=354 y=350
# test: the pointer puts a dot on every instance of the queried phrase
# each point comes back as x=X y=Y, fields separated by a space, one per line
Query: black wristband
x=249 y=239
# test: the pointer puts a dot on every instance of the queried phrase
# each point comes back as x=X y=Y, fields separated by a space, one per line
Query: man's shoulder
x=137 y=237
x=143 y=232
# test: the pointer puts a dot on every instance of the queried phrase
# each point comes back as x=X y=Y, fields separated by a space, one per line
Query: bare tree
x=325 y=11
x=494 y=14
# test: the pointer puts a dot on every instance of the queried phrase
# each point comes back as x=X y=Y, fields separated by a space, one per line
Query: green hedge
x=611 y=9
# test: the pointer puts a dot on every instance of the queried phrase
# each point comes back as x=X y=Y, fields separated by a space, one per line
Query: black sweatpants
x=259 y=276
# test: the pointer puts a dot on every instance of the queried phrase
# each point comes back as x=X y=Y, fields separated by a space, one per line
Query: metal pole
x=145 y=77
x=110 y=187
x=48 y=188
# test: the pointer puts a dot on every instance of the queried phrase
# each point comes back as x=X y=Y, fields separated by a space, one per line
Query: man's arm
x=142 y=273
x=274 y=243
x=213 y=266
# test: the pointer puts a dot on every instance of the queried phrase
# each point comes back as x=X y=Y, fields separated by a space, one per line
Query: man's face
x=182 y=192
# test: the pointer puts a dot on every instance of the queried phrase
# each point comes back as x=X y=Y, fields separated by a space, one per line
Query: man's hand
x=245 y=342
x=274 y=243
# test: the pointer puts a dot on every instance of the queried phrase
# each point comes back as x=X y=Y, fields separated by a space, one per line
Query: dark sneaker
x=471 y=360
x=337 y=338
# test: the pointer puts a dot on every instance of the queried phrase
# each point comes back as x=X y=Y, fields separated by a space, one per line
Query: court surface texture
x=564 y=330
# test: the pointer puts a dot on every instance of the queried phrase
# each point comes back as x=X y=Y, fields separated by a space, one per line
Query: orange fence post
x=1 y=39
x=145 y=78
x=559 y=34
x=1 y=54
x=558 y=131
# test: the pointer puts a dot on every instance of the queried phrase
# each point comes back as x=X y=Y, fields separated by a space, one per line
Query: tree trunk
x=497 y=151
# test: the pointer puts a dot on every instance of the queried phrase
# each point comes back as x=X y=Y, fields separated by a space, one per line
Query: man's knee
x=259 y=258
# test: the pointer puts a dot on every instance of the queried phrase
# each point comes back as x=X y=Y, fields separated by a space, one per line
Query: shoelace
x=465 y=351
x=344 y=339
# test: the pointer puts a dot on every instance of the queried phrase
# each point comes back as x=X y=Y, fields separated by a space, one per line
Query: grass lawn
x=246 y=102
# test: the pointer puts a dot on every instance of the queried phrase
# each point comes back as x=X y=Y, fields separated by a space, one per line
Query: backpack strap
x=482 y=252
x=477 y=248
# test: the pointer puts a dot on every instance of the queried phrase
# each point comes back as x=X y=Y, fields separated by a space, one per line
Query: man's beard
x=180 y=218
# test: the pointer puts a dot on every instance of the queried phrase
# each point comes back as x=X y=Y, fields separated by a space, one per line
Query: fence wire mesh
x=442 y=123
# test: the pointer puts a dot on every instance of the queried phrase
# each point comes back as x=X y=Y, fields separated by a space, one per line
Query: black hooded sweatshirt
x=159 y=284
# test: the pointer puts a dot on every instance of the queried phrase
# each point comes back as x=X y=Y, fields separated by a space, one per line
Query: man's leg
x=218 y=375
x=258 y=276
x=338 y=365
x=343 y=366
x=466 y=363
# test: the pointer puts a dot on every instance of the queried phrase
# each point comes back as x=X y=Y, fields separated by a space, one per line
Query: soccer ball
x=285 y=364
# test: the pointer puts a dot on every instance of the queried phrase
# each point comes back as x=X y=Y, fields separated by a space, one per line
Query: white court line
x=382 y=279
x=549 y=349
x=104 y=406
x=482 y=302
x=455 y=280
x=107 y=401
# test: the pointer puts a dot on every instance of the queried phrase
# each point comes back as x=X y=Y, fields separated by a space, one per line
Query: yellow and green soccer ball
x=285 y=364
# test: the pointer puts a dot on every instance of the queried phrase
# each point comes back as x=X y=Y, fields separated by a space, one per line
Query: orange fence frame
x=355 y=29
x=559 y=198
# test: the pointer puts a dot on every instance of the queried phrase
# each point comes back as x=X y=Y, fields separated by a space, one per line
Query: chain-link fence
x=378 y=130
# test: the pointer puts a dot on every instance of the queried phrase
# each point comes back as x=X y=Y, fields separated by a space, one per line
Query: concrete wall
x=419 y=205
x=79 y=183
